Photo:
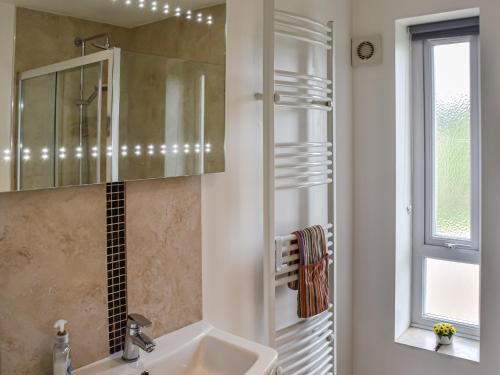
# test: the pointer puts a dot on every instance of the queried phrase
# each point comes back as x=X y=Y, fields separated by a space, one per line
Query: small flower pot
x=444 y=340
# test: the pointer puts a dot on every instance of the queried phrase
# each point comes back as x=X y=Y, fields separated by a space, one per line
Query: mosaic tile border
x=116 y=260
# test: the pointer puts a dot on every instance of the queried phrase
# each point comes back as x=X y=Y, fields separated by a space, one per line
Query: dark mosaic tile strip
x=116 y=260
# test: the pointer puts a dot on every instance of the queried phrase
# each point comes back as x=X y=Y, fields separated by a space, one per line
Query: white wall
x=7 y=25
x=374 y=350
x=232 y=202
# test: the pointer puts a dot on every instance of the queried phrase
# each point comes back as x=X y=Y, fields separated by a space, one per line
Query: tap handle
x=139 y=320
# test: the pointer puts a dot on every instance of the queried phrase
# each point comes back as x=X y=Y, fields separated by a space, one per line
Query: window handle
x=450 y=245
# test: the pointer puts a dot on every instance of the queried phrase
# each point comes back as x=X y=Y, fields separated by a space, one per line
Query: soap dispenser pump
x=61 y=358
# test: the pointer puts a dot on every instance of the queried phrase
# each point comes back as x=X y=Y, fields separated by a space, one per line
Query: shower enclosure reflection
x=168 y=120
x=63 y=122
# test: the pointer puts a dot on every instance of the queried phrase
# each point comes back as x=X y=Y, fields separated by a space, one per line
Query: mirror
x=114 y=90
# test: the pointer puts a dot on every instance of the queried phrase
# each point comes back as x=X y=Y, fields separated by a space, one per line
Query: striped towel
x=312 y=285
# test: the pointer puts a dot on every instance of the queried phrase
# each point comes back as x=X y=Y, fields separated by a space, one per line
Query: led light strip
x=137 y=150
x=154 y=7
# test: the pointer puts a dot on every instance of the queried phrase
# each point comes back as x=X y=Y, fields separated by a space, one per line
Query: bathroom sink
x=196 y=349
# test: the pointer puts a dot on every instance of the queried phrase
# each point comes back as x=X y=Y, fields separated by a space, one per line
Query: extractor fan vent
x=367 y=51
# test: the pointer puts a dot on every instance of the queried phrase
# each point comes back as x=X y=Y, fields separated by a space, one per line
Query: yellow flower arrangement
x=444 y=329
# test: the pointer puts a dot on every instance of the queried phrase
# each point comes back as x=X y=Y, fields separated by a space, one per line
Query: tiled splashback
x=116 y=260
x=55 y=263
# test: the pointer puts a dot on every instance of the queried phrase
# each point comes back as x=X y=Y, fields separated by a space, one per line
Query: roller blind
x=445 y=29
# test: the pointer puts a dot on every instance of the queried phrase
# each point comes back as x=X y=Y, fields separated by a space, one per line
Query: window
x=446 y=178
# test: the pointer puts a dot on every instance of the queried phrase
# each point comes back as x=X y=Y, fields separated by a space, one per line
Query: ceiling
x=114 y=12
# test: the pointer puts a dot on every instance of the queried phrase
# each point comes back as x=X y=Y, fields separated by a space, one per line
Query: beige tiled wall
x=164 y=251
x=52 y=266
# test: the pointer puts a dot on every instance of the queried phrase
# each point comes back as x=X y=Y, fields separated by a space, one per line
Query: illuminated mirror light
x=45 y=153
x=137 y=150
x=62 y=151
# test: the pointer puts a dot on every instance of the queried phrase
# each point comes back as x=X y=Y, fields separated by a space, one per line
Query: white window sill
x=461 y=347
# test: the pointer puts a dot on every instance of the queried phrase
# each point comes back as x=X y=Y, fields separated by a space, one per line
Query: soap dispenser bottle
x=62 y=351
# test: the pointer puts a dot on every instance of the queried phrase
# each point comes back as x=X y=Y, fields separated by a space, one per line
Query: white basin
x=196 y=349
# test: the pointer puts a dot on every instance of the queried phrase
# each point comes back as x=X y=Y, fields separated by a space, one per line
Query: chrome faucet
x=135 y=339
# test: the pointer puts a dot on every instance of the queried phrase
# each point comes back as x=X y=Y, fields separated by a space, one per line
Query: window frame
x=425 y=245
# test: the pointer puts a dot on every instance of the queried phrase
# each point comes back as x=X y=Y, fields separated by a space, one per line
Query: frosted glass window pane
x=452 y=141
x=452 y=290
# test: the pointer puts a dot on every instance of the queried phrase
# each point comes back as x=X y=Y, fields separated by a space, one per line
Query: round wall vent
x=365 y=50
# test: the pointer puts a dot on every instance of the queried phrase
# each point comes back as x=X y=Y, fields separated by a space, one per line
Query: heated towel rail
x=305 y=346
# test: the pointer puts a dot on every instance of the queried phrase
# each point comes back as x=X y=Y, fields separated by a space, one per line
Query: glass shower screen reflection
x=35 y=162
x=171 y=117
x=62 y=128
